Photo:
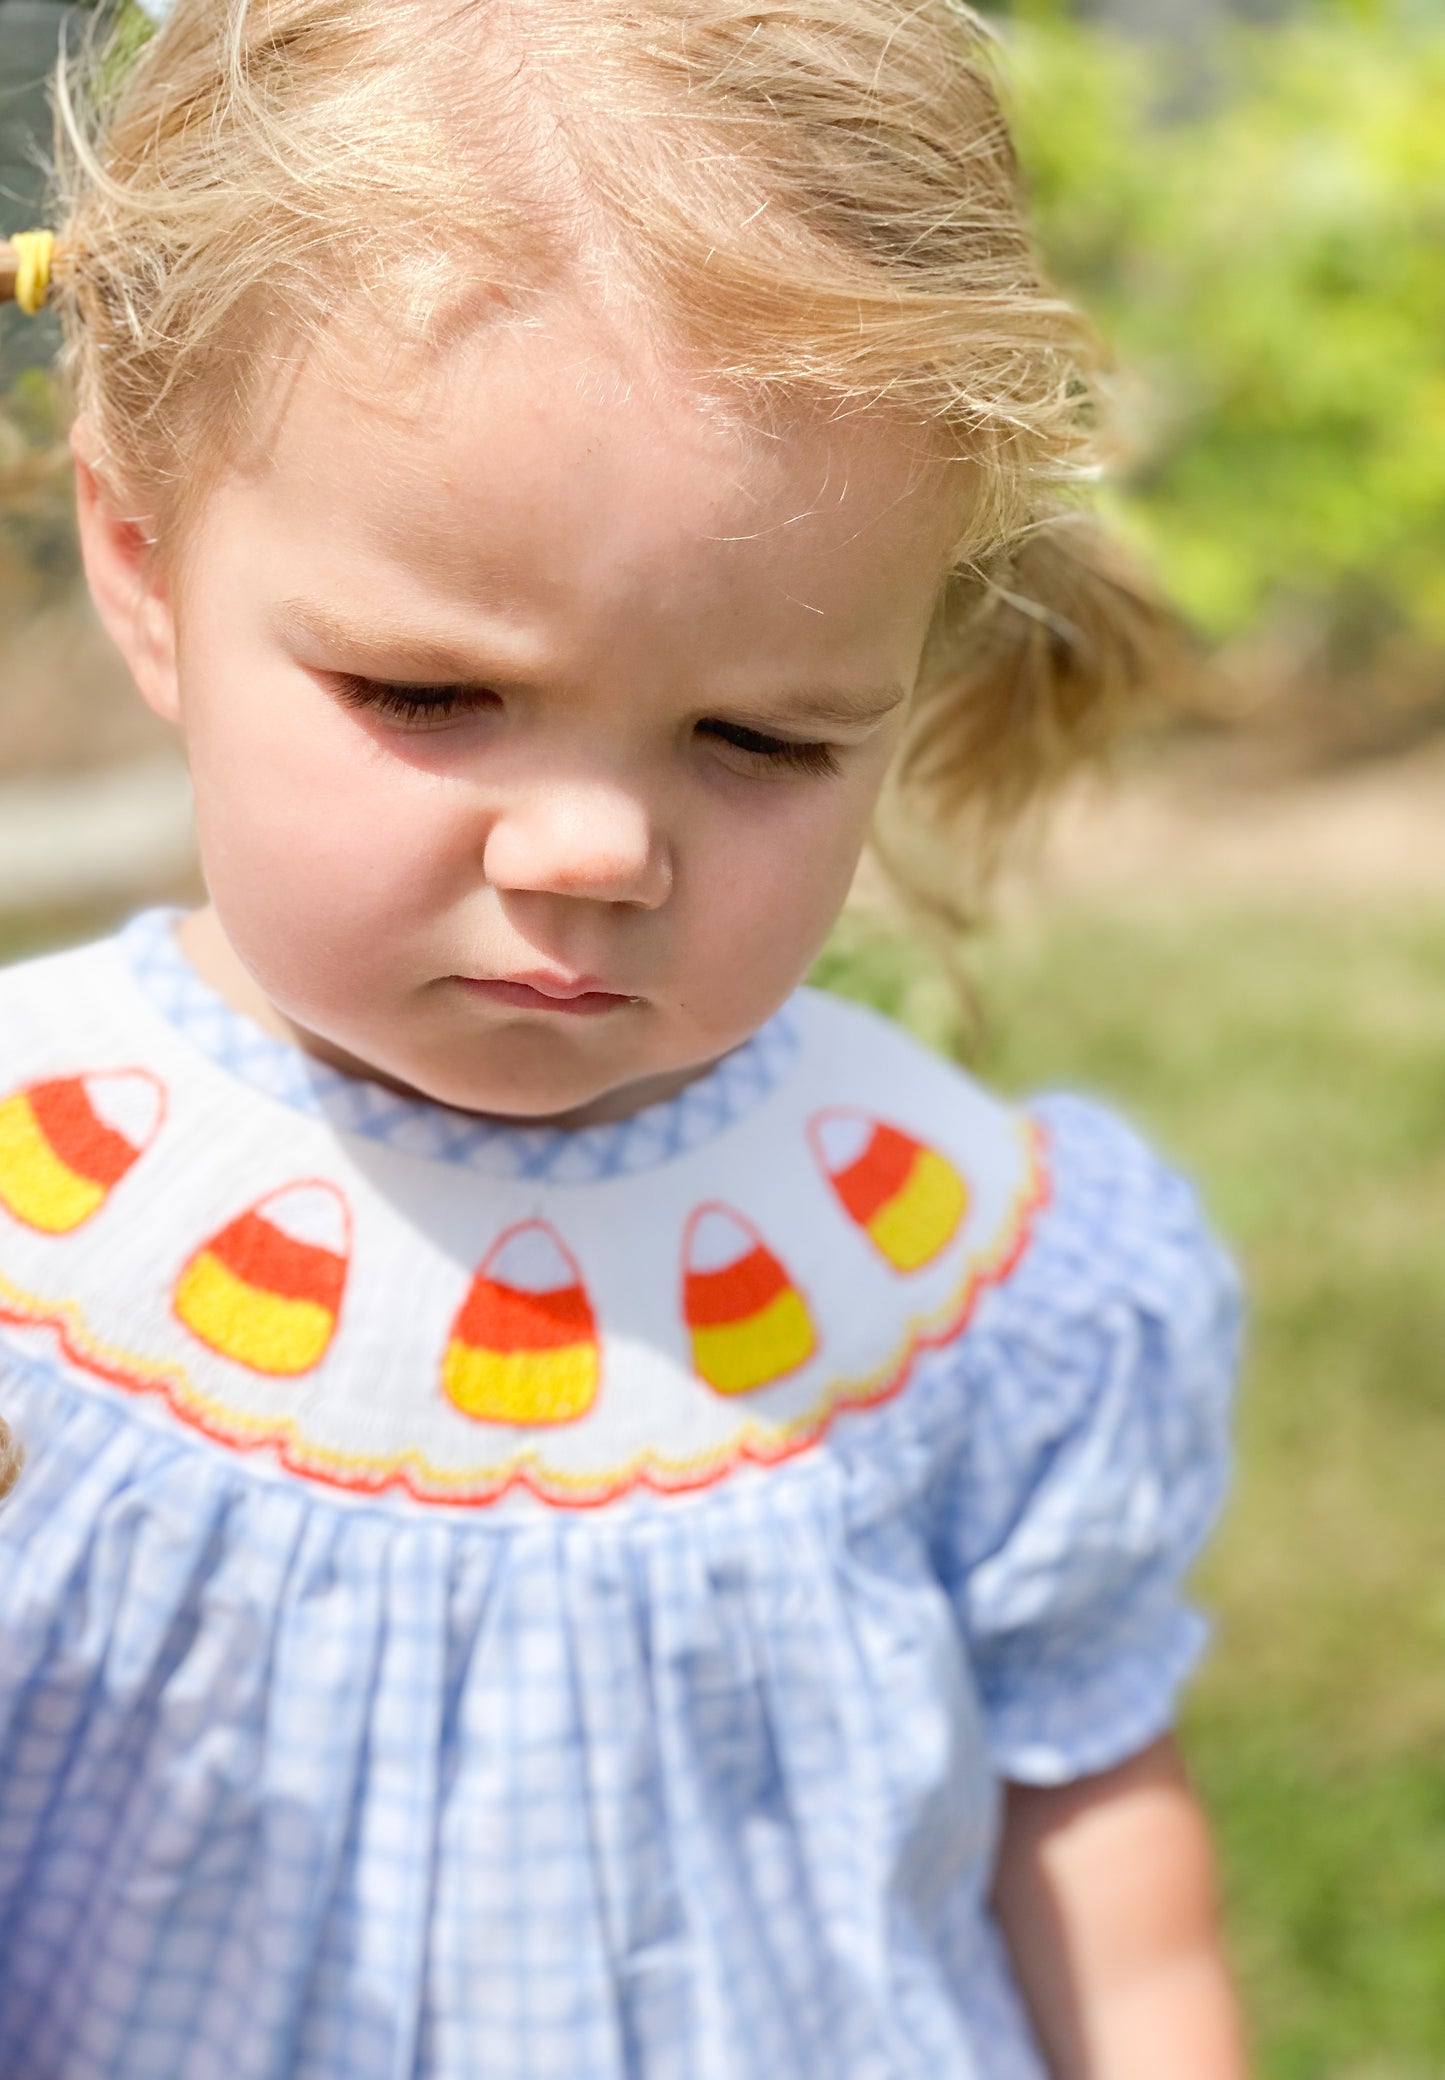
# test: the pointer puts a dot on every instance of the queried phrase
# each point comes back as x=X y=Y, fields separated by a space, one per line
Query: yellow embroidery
x=266 y=1290
x=749 y=1323
x=524 y=1346
x=263 y=1331
x=739 y=1357
x=34 y=1184
x=924 y=1216
x=480 y=1484
x=522 y=1386
x=906 y=1198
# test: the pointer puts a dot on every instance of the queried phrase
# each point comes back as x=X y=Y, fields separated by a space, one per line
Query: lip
x=572 y=996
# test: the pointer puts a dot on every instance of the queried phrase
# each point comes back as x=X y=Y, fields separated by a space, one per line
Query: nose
x=592 y=841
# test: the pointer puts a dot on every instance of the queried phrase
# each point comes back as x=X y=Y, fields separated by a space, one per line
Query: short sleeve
x=1095 y=1456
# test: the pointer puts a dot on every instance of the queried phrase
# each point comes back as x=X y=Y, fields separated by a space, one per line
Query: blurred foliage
x=38 y=556
x=1259 y=226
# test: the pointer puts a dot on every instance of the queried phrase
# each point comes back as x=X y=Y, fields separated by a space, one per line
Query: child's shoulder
x=851 y=1052
x=1075 y=1431
x=1091 y=1146
x=1087 y=1213
x=75 y=1046
x=43 y=996
x=79 y=1097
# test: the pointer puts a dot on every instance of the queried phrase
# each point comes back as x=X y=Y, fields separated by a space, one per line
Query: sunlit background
x=1243 y=941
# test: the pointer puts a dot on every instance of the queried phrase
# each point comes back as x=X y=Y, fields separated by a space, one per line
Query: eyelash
x=820 y=760
x=409 y=704
x=420 y=704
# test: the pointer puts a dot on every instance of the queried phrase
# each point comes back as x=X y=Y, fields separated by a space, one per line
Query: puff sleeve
x=1094 y=1457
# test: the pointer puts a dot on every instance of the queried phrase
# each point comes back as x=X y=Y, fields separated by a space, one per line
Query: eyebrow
x=838 y=706
x=384 y=648
x=377 y=646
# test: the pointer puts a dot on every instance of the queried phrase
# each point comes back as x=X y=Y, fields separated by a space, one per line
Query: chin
x=523 y=1098
x=506 y=1081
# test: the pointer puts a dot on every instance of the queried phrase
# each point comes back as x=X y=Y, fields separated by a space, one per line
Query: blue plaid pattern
x=552 y=1155
x=293 y=1786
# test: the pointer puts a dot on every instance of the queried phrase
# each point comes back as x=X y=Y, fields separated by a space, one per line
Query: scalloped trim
x=412 y=1474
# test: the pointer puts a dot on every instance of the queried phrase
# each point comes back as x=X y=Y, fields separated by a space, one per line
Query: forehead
x=558 y=367
x=551 y=454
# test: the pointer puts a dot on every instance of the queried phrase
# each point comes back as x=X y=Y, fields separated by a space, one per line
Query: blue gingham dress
x=349 y=1731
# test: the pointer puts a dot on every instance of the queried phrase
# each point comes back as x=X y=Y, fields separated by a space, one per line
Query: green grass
x=1295 y=1063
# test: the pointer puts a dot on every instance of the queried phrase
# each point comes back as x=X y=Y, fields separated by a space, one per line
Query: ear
x=127 y=582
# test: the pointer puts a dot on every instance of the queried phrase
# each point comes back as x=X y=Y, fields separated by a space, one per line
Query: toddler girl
x=587 y=1512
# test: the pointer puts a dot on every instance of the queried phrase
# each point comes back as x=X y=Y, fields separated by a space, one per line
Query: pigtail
x=1037 y=660
x=12 y=1458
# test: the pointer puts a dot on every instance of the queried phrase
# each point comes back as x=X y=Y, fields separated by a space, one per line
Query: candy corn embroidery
x=66 y=1144
x=748 y=1322
x=266 y=1291
x=747 y=1325
x=524 y=1347
x=906 y=1198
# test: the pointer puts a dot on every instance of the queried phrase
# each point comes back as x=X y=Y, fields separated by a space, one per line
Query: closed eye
x=781 y=753
x=415 y=706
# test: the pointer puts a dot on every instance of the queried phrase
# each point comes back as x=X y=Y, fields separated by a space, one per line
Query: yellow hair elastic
x=34 y=254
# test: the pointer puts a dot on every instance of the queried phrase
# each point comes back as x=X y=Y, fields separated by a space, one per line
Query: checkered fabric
x=296 y=1787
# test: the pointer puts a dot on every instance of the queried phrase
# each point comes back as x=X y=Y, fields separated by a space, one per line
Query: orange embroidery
x=749 y=1323
x=524 y=1347
x=266 y=1291
x=412 y=1472
x=66 y=1144
x=906 y=1198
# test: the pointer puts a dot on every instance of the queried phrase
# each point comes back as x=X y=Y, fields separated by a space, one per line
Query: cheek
x=772 y=883
x=306 y=828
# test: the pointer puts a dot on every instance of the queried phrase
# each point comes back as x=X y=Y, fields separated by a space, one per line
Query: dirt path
x=1372 y=834
x=118 y=835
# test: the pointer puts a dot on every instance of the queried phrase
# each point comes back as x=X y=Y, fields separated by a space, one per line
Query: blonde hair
x=811 y=199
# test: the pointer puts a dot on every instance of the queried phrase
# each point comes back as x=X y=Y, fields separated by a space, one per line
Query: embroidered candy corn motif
x=266 y=1291
x=749 y=1323
x=524 y=1347
x=65 y=1145
x=905 y=1197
